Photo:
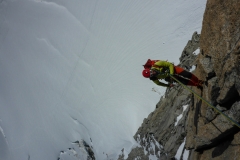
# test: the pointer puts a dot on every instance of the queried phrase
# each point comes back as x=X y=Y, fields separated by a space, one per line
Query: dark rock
x=137 y=152
x=210 y=125
x=160 y=124
x=79 y=150
x=187 y=59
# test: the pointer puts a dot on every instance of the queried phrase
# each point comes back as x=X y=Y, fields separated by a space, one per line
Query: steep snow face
x=71 y=70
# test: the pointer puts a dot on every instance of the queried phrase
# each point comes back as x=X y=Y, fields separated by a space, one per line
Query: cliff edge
x=184 y=127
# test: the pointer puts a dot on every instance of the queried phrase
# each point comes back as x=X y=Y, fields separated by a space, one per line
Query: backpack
x=149 y=63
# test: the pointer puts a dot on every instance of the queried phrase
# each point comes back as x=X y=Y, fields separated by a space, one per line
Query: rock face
x=180 y=117
x=165 y=129
x=214 y=136
x=79 y=150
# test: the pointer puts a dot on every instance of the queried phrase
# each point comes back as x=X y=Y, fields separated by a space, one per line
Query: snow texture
x=77 y=151
x=180 y=151
x=71 y=70
x=196 y=52
x=181 y=115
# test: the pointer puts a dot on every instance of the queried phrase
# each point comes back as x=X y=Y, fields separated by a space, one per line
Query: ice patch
x=180 y=150
x=193 y=68
x=185 y=154
x=196 y=52
x=181 y=115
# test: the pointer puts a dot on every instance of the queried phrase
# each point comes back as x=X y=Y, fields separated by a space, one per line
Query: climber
x=157 y=69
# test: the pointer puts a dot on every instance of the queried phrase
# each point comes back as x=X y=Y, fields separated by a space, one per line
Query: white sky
x=71 y=70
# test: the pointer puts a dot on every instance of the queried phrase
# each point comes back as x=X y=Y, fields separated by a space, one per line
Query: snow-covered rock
x=208 y=130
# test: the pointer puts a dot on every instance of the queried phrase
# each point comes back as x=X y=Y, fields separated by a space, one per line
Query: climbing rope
x=209 y=104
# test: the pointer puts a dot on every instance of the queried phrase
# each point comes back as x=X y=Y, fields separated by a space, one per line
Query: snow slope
x=71 y=70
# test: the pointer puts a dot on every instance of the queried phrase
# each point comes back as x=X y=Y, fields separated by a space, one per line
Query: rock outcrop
x=181 y=119
x=164 y=130
x=79 y=150
x=214 y=137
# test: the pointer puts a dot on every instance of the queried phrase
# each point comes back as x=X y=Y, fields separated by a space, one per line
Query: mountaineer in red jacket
x=157 y=69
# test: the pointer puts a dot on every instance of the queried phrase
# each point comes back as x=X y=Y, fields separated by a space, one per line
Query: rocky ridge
x=164 y=130
x=79 y=150
x=180 y=117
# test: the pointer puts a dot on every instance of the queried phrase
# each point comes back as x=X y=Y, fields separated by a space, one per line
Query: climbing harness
x=209 y=104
